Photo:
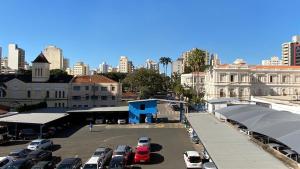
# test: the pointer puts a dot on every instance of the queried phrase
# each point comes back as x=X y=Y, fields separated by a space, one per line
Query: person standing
x=91 y=127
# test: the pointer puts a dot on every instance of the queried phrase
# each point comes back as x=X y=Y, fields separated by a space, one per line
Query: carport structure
x=281 y=126
x=40 y=119
x=227 y=147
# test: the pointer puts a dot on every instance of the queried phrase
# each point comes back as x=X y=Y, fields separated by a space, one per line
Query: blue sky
x=94 y=31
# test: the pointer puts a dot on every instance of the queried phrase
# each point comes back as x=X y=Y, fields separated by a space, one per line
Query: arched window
x=283 y=92
x=232 y=93
x=222 y=93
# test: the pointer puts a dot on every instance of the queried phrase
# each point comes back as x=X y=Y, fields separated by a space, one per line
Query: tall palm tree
x=162 y=60
x=167 y=61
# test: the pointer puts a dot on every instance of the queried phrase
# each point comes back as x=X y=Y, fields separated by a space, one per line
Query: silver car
x=144 y=141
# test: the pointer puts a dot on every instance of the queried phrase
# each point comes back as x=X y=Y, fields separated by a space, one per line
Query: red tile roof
x=276 y=67
x=92 y=79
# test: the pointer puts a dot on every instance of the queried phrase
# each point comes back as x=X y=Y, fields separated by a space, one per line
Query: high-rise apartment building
x=16 y=57
x=103 y=67
x=55 y=56
x=274 y=61
x=4 y=63
x=0 y=58
x=291 y=52
x=66 y=63
x=177 y=66
x=150 y=64
x=81 y=69
x=125 y=66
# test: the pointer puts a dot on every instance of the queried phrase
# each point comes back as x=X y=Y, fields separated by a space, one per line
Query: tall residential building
x=55 y=56
x=81 y=69
x=0 y=58
x=125 y=66
x=150 y=64
x=215 y=60
x=103 y=67
x=177 y=66
x=16 y=57
x=291 y=52
x=4 y=63
x=66 y=63
x=274 y=61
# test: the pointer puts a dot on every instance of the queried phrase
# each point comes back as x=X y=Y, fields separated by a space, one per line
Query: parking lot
x=168 y=144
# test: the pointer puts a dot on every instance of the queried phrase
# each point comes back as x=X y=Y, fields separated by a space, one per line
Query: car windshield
x=115 y=164
x=119 y=153
x=34 y=143
x=90 y=166
x=64 y=166
x=195 y=159
x=143 y=141
x=98 y=153
x=143 y=152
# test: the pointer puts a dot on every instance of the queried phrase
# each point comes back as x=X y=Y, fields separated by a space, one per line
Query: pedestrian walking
x=91 y=127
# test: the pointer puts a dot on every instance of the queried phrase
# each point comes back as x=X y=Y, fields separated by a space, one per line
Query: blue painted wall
x=135 y=111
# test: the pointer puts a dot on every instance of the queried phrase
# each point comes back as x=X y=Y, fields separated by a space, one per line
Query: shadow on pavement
x=155 y=147
x=156 y=158
x=55 y=147
x=68 y=132
x=15 y=142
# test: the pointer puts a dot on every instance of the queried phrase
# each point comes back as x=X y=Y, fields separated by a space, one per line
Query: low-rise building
x=94 y=91
x=193 y=80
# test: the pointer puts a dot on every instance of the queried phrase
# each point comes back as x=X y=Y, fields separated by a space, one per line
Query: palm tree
x=162 y=60
x=167 y=61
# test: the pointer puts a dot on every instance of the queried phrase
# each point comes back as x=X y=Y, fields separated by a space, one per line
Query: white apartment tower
x=80 y=69
x=66 y=63
x=16 y=57
x=124 y=65
x=274 y=61
x=103 y=67
x=177 y=66
x=55 y=56
x=150 y=64
x=291 y=52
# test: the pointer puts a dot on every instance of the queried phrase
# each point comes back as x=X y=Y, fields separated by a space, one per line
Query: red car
x=142 y=154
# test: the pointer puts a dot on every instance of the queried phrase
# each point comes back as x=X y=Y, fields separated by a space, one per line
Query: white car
x=192 y=159
x=144 y=141
x=5 y=161
x=40 y=144
x=121 y=121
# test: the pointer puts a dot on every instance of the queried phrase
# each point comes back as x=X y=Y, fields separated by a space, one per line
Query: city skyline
x=105 y=30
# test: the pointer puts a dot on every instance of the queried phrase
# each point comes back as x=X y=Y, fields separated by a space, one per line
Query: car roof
x=142 y=148
x=69 y=160
x=120 y=148
x=193 y=153
x=93 y=160
x=144 y=138
x=38 y=140
x=100 y=149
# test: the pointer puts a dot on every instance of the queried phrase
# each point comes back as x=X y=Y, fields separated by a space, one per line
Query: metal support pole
x=41 y=131
x=181 y=112
x=16 y=131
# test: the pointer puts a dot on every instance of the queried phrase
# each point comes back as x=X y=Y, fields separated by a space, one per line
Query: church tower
x=40 y=69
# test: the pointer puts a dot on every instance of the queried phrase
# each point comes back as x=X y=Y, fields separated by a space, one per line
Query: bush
x=31 y=107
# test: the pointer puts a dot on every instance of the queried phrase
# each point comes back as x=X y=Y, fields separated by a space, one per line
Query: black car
x=40 y=155
x=19 y=153
x=105 y=154
x=117 y=162
x=70 y=163
x=44 y=165
x=21 y=164
x=28 y=134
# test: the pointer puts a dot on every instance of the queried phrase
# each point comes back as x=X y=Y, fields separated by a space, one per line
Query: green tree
x=58 y=72
x=116 y=76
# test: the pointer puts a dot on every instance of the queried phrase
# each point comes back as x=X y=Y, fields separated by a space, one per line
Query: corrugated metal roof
x=33 y=118
x=228 y=148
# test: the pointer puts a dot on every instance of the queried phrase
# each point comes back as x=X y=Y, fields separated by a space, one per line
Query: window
x=103 y=88
x=63 y=104
x=76 y=97
x=59 y=104
x=28 y=94
x=55 y=105
x=87 y=88
x=103 y=97
x=86 y=105
x=222 y=77
x=284 y=79
x=63 y=94
x=76 y=88
x=59 y=94
x=113 y=88
x=87 y=97
x=94 y=97
x=271 y=79
x=95 y=88
x=55 y=94
x=222 y=93
x=283 y=92
x=47 y=94
x=142 y=107
x=231 y=78
x=113 y=97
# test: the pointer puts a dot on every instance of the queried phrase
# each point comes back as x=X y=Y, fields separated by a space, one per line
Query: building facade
x=16 y=57
x=193 y=80
x=242 y=81
x=66 y=63
x=274 y=61
x=80 y=69
x=55 y=56
x=94 y=91
x=150 y=64
x=103 y=67
x=291 y=52
x=125 y=66
x=177 y=66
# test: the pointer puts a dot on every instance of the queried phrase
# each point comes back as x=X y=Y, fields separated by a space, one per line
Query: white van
x=92 y=163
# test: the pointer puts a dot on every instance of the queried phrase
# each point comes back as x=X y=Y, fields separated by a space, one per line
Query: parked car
x=93 y=163
x=121 y=121
x=28 y=134
x=105 y=155
x=209 y=165
x=144 y=141
x=192 y=159
x=19 y=153
x=117 y=162
x=40 y=155
x=195 y=139
x=70 y=163
x=123 y=150
x=40 y=144
x=142 y=154
x=5 y=161
x=24 y=163
x=44 y=165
